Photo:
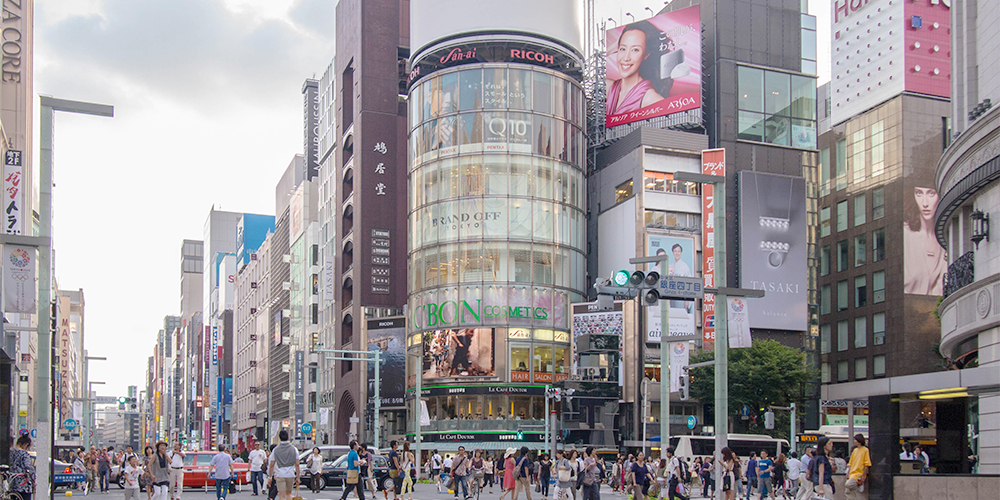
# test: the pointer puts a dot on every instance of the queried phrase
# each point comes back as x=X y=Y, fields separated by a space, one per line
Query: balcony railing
x=480 y=425
x=962 y=272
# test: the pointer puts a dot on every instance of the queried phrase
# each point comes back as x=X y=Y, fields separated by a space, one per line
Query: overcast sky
x=208 y=111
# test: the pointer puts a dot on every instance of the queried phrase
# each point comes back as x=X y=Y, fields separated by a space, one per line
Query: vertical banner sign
x=19 y=294
x=739 y=323
x=679 y=354
x=300 y=384
x=13 y=200
x=310 y=125
x=713 y=162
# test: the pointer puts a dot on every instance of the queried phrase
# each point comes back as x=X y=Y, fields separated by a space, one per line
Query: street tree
x=767 y=373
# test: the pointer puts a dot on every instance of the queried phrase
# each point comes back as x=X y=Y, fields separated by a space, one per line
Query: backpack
x=685 y=473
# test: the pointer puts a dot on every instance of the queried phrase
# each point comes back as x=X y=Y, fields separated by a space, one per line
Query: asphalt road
x=421 y=492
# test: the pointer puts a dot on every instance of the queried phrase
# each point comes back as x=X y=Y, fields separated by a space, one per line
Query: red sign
x=519 y=376
x=543 y=377
x=713 y=162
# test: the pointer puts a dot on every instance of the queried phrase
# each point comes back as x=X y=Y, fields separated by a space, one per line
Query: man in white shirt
x=447 y=464
x=283 y=466
x=221 y=470
x=794 y=471
x=256 y=459
x=436 y=464
x=176 y=471
x=673 y=475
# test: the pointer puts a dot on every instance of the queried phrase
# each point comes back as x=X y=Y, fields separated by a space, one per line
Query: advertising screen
x=458 y=353
x=387 y=335
x=680 y=253
x=654 y=67
x=924 y=260
x=773 y=249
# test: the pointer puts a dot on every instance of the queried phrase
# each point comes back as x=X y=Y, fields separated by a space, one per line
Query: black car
x=335 y=472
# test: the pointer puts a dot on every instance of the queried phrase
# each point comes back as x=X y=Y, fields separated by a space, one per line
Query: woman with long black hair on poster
x=925 y=261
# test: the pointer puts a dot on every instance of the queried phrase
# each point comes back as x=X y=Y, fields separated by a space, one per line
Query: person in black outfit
x=544 y=473
x=641 y=474
x=463 y=339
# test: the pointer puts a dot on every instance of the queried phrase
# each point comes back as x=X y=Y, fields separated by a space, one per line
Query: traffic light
x=685 y=382
x=769 y=420
x=646 y=285
x=520 y=435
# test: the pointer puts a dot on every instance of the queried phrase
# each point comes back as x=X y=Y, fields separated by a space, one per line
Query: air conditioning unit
x=253 y=310
x=253 y=362
x=253 y=336
x=253 y=284
x=253 y=256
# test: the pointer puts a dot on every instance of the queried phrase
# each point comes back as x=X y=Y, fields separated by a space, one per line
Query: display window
x=562 y=363
x=520 y=363
x=470 y=89
x=543 y=364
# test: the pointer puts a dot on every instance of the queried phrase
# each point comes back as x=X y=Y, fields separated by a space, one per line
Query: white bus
x=741 y=444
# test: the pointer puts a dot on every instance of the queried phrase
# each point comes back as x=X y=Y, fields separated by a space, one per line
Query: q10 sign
x=654 y=67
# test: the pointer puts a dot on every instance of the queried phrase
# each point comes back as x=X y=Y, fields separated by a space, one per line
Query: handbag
x=352 y=476
x=564 y=475
x=394 y=473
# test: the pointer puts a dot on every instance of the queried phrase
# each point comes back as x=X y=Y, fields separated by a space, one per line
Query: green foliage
x=768 y=373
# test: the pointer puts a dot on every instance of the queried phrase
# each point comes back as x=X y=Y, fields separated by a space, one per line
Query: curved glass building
x=497 y=229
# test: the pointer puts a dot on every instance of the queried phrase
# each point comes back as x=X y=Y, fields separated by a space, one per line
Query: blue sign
x=680 y=287
x=69 y=424
x=34 y=433
x=692 y=422
x=70 y=478
x=745 y=411
x=307 y=428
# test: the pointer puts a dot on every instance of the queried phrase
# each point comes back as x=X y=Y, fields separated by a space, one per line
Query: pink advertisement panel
x=654 y=67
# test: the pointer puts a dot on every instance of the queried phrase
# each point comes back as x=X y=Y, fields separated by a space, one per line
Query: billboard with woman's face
x=654 y=67
x=925 y=261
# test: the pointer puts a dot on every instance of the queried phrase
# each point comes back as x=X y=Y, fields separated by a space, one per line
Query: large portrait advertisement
x=387 y=335
x=458 y=353
x=681 y=254
x=654 y=67
x=773 y=249
x=924 y=260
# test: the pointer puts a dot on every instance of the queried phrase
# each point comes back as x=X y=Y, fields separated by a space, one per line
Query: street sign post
x=307 y=428
x=69 y=424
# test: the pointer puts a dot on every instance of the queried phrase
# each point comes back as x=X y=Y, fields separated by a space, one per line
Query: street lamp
x=43 y=383
x=629 y=14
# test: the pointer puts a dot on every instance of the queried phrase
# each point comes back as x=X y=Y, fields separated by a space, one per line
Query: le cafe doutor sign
x=486 y=52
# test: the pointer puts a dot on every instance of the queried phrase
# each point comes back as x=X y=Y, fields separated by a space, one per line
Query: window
x=858 y=157
x=842 y=301
x=860 y=331
x=878 y=203
x=824 y=221
x=877 y=151
x=824 y=339
x=878 y=328
x=878 y=287
x=860 y=209
x=825 y=370
x=841 y=216
x=777 y=108
x=859 y=250
x=824 y=299
x=623 y=191
x=808 y=31
x=673 y=220
x=878 y=365
x=843 y=261
x=860 y=368
x=824 y=260
x=824 y=171
x=663 y=182
x=520 y=363
x=860 y=291
x=842 y=371
x=841 y=164
x=842 y=335
x=878 y=244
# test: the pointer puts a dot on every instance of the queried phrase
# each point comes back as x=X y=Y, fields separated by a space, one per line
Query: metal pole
x=545 y=437
x=378 y=396
x=553 y=434
x=791 y=435
x=43 y=399
x=645 y=414
x=664 y=366
x=418 y=410
x=721 y=332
